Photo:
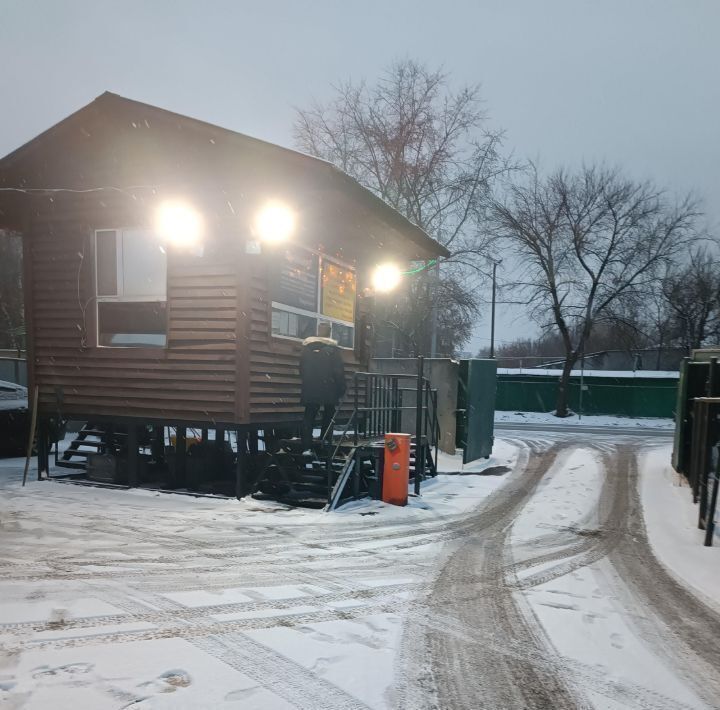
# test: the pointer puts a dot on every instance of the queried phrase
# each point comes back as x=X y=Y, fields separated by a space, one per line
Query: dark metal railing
x=386 y=402
x=383 y=403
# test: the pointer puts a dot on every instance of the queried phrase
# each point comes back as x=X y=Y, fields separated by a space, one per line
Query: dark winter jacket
x=321 y=371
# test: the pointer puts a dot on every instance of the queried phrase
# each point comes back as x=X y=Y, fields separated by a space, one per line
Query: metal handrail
x=377 y=409
x=380 y=397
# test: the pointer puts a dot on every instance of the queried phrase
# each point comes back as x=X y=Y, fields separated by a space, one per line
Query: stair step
x=314 y=480
x=85 y=442
x=76 y=452
x=309 y=488
x=100 y=432
x=71 y=464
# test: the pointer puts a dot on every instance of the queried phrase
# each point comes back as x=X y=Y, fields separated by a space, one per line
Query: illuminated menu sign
x=338 y=292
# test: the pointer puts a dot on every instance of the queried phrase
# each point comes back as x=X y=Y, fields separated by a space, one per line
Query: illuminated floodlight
x=275 y=222
x=179 y=223
x=386 y=277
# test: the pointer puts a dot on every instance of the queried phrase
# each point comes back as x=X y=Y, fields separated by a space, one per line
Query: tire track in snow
x=492 y=658
x=473 y=675
x=679 y=625
x=277 y=673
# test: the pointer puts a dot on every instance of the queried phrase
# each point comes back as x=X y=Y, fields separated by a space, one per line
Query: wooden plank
x=217 y=391
x=203 y=303
x=119 y=402
x=195 y=314
x=214 y=347
x=195 y=281
x=178 y=362
x=216 y=324
x=199 y=293
x=268 y=380
x=201 y=335
x=59 y=376
x=199 y=270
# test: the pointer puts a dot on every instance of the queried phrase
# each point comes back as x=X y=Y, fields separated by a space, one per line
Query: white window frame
x=318 y=315
x=119 y=296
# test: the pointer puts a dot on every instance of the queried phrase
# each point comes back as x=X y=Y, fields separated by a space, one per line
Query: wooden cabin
x=128 y=324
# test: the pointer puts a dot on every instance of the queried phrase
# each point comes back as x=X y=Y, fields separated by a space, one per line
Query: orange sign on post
x=396 y=470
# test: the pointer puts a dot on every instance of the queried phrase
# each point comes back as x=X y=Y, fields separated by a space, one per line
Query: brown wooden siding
x=193 y=379
x=221 y=363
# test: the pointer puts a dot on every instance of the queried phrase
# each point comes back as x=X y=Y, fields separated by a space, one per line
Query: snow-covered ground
x=589 y=615
x=605 y=420
x=118 y=599
x=671 y=520
x=113 y=599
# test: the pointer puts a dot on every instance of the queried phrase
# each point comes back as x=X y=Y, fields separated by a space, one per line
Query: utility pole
x=582 y=383
x=492 y=315
x=434 y=309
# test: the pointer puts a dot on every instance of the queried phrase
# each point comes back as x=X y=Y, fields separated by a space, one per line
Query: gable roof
x=109 y=103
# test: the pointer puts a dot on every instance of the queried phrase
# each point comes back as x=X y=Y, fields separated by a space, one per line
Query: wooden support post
x=158 y=444
x=219 y=455
x=132 y=455
x=31 y=436
x=180 y=457
x=240 y=464
x=43 y=452
x=253 y=441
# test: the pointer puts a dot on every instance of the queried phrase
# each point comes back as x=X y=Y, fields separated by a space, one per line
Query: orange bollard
x=396 y=470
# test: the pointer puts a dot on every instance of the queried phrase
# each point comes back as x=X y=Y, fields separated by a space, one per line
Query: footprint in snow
x=372 y=642
x=167 y=682
x=617 y=641
x=325 y=662
x=69 y=669
x=560 y=605
x=243 y=694
x=590 y=616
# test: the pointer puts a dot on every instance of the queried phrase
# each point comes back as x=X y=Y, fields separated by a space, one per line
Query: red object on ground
x=396 y=470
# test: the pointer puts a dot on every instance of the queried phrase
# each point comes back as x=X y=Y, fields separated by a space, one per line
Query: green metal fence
x=623 y=396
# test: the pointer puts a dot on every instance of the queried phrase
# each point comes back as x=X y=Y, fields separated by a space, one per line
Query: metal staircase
x=93 y=438
x=350 y=465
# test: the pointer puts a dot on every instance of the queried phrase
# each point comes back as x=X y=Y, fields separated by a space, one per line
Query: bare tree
x=586 y=241
x=691 y=293
x=12 y=326
x=408 y=327
x=427 y=152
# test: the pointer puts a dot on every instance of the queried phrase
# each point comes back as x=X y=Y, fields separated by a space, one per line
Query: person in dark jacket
x=322 y=375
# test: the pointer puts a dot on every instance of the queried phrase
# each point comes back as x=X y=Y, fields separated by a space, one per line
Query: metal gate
x=477 y=385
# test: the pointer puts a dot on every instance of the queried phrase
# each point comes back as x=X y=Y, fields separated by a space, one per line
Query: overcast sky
x=632 y=82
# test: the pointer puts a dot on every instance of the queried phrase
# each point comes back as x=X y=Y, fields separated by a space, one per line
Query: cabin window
x=306 y=288
x=131 y=289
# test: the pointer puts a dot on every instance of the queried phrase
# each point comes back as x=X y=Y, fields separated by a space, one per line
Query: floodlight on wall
x=179 y=223
x=386 y=277
x=275 y=222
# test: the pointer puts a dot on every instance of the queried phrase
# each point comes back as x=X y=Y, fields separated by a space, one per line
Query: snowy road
x=554 y=599
x=534 y=589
